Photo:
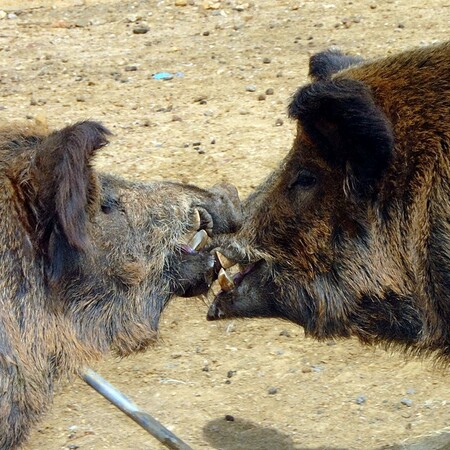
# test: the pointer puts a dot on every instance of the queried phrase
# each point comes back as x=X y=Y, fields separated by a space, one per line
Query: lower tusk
x=199 y=240
x=224 y=261
x=225 y=282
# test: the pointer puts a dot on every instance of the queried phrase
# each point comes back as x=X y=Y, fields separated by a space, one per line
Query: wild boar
x=350 y=236
x=88 y=261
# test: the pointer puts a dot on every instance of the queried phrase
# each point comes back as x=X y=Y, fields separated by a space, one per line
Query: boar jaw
x=239 y=298
x=193 y=252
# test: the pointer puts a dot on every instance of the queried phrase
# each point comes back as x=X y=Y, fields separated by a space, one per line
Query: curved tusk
x=224 y=262
x=199 y=240
x=197 y=221
x=225 y=281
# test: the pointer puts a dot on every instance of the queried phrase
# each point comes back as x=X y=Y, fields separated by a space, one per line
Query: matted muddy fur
x=351 y=235
x=87 y=261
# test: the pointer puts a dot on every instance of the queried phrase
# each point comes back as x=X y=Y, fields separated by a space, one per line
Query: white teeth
x=224 y=261
x=197 y=220
x=199 y=240
x=225 y=281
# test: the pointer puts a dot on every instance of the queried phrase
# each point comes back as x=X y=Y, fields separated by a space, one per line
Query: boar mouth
x=244 y=257
x=228 y=282
x=195 y=263
x=203 y=227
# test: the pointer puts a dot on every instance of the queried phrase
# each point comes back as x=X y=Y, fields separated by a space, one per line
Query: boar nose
x=229 y=191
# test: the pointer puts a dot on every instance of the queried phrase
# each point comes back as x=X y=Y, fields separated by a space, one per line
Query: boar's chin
x=249 y=293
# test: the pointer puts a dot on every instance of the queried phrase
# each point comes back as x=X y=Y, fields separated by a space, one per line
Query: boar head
x=101 y=254
x=335 y=239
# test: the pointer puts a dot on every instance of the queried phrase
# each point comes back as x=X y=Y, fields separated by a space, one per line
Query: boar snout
x=224 y=208
x=247 y=293
x=240 y=268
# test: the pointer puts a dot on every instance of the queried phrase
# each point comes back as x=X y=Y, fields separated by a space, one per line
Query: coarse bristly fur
x=351 y=235
x=87 y=261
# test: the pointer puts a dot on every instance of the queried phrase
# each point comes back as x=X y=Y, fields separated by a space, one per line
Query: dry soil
x=222 y=117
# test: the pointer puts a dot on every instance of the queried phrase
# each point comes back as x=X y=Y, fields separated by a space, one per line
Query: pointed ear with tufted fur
x=324 y=64
x=348 y=129
x=65 y=187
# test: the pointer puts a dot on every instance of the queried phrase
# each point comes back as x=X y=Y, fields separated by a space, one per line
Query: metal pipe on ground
x=146 y=421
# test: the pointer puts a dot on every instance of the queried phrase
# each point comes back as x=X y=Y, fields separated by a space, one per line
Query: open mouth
x=228 y=272
x=203 y=227
x=228 y=281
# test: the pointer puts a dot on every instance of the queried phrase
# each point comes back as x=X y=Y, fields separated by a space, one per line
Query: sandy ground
x=222 y=117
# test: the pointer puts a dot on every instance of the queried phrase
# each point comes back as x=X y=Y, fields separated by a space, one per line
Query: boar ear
x=324 y=64
x=65 y=187
x=349 y=130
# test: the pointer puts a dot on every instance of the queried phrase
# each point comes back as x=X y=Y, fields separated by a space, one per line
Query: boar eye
x=305 y=179
x=109 y=205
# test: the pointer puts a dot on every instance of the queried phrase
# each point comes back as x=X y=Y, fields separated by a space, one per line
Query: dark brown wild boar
x=351 y=235
x=88 y=261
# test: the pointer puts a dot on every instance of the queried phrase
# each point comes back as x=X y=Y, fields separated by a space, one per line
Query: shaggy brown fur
x=87 y=261
x=351 y=235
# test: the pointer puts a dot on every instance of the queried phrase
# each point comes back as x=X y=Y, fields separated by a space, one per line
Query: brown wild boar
x=351 y=235
x=88 y=261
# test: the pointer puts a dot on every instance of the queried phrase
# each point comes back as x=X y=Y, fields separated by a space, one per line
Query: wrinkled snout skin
x=88 y=261
x=351 y=235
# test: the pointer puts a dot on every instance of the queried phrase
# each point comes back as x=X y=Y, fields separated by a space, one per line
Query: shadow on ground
x=240 y=434
x=436 y=441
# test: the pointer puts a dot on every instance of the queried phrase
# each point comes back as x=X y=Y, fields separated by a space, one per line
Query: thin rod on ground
x=119 y=400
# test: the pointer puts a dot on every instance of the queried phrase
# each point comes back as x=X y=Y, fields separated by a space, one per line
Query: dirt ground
x=222 y=117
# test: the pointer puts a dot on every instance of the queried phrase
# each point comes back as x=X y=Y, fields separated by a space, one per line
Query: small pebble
x=131 y=69
x=361 y=400
x=261 y=97
x=141 y=30
x=406 y=401
x=272 y=391
x=269 y=91
x=279 y=122
x=285 y=333
x=250 y=88
x=82 y=22
x=229 y=418
x=205 y=33
x=267 y=60
x=200 y=99
x=231 y=373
